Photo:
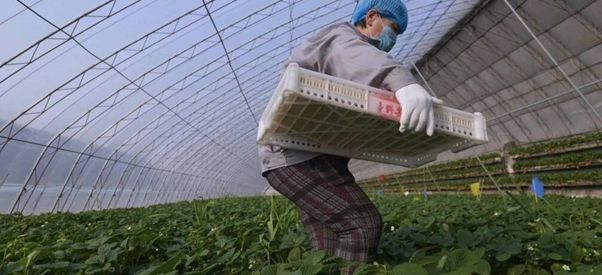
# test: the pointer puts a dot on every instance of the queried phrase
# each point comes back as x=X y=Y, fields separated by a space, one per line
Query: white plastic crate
x=316 y=112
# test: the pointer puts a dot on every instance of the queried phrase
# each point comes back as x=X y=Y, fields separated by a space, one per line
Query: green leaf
x=576 y=253
x=597 y=269
x=171 y=264
x=165 y=268
x=461 y=259
x=479 y=252
x=294 y=254
x=11 y=267
x=465 y=238
x=483 y=268
x=518 y=269
x=124 y=243
x=548 y=224
x=64 y=265
x=309 y=269
x=269 y=270
x=502 y=256
x=442 y=262
x=409 y=268
x=59 y=254
x=366 y=269
x=94 y=260
x=316 y=257
x=31 y=257
x=555 y=256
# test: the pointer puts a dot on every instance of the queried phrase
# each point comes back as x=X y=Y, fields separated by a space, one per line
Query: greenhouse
x=288 y=137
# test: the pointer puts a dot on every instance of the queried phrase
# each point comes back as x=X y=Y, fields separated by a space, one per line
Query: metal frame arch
x=155 y=179
x=33 y=53
x=78 y=81
x=495 y=120
x=72 y=85
x=124 y=178
x=520 y=44
x=480 y=96
x=113 y=130
x=190 y=162
x=138 y=181
x=553 y=60
x=162 y=184
x=189 y=165
x=115 y=157
x=139 y=89
x=430 y=12
x=134 y=158
x=199 y=154
x=430 y=30
x=184 y=165
x=508 y=31
x=102 y=182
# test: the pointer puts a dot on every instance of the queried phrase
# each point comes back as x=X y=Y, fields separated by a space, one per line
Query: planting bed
x=440 y=235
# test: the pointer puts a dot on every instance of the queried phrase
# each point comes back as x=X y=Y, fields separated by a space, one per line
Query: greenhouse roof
x=102 y=99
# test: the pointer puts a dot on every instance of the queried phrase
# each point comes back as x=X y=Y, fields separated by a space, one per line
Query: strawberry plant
x=441 y=235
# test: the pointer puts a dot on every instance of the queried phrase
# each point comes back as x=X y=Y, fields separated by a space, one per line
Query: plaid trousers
x=335 y=212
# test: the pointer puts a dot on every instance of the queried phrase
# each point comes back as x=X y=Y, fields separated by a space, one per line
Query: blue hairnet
x=391 y=9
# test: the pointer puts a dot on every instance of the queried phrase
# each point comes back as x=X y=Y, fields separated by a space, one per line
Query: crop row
x=558 y=145
x=440 y=235
x=517 y=168
x=555 y=179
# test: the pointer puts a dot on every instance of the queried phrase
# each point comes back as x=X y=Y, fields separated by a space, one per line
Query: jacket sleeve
x=360 y=61
x=313 y=52
x=340 y=51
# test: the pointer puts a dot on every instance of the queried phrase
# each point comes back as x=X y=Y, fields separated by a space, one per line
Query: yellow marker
x=475 y=188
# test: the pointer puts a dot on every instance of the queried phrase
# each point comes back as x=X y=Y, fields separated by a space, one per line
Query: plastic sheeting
x=135 y=102
x=533 y=68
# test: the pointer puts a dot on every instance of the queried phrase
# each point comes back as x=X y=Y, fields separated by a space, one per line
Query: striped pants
x=336 y=214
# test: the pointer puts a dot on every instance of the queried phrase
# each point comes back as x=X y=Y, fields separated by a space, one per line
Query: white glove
x=416 y=109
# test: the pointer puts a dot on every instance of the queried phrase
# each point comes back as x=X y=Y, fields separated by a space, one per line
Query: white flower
x=530 y=248
x=392 y=228
x=129 y=228
x=496 y=213
x=566 y=267
x=406 y=193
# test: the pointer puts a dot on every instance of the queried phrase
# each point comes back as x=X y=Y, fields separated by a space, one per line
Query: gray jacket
x=342 y=51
